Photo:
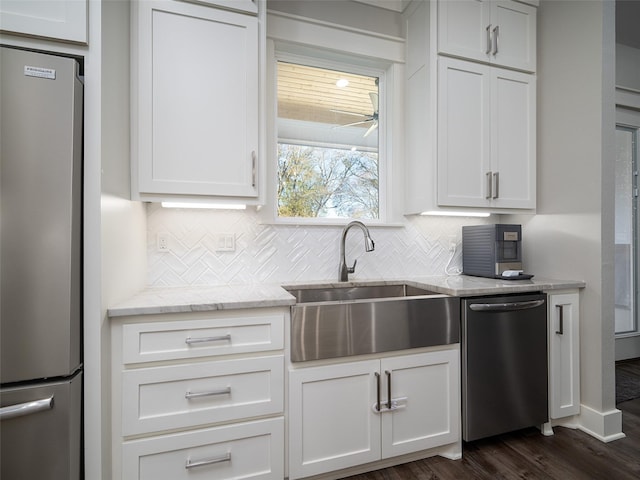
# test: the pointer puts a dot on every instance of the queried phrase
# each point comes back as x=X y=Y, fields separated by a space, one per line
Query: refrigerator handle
x=27 y=408
x=502 y=307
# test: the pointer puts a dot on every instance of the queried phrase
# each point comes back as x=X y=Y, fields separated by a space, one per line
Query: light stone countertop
x=154 y=300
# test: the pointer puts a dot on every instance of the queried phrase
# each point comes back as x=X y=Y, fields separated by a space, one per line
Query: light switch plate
x=225 y=242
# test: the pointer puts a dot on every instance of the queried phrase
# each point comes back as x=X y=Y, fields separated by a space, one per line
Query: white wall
x=122 y=223
x=572 y=234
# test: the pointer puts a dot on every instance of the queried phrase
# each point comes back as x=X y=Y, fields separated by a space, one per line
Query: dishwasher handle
x=505 y=307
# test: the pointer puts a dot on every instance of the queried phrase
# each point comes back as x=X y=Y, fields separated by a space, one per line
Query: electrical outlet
x=453 y=244
x=162 y=242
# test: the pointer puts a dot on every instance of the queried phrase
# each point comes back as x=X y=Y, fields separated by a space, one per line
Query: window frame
x=390 y=139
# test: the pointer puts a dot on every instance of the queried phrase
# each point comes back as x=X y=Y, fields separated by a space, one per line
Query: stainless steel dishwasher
x=504 y=364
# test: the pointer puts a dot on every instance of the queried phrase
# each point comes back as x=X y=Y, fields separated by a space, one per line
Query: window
x=328 y=130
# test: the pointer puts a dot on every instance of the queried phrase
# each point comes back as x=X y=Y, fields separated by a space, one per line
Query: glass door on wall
x=627 y=233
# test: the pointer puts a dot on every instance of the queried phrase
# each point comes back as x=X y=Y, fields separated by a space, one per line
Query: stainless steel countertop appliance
x=41 y=266
x=504 y=364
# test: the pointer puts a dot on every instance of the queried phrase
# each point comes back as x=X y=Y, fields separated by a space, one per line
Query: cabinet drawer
x=155 y=341
x=177 y=396
x=252 y=450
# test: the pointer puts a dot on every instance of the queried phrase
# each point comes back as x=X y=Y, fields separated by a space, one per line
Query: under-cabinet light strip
x=456 y=213
x=220 y=206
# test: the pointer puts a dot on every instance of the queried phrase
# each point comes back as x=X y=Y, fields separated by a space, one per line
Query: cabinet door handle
x=219 y=338
x=496 y=34
x=254 y=162
x=209 y=393
x=388 y=373
x=377 y=391
x=489 y=42
x=209 y=461
x=496 y=185
x=560 y=330
x=488 y=178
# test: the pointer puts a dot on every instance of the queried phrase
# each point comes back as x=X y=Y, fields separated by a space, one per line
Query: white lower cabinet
x=349 y=414
x=199 y=395
x=564 y=355
x=252 y=450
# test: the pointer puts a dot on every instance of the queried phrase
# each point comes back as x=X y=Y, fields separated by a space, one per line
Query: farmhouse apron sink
x=347 y=320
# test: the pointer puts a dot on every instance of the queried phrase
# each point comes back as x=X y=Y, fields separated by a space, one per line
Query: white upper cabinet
x=64 y=20
x=196 y=101
x=500 y=32
x=486 y=136
x=470 y=123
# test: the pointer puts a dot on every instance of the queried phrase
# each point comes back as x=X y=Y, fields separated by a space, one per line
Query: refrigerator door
x=40 y=213
x=40 y=431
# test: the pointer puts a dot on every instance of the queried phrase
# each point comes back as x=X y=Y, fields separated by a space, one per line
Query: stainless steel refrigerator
x=40 y=266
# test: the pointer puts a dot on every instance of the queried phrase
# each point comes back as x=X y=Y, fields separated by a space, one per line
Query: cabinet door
x=501 y=32
x=513 y=139
x=332 y=424
x=463 y=133
x=564 y=369
x=197 y=94
x=61 y=20
x=426 y=389
x=514 y=31
x=464 y=29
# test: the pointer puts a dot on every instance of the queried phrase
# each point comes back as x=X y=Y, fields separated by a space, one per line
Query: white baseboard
x=605 y=426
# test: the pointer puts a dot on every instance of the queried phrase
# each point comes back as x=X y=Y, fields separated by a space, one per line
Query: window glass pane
x=625 y=201
x=328 y=131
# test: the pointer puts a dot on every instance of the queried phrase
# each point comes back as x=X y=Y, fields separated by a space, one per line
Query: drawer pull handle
x=220 y=338
x=209 y=393
x=208 y=461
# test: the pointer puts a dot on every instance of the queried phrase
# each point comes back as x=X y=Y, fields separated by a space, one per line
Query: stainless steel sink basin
x=330 y=294
x=341 y=321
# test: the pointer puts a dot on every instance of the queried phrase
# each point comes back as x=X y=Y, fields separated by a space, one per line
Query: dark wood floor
x=567 y=455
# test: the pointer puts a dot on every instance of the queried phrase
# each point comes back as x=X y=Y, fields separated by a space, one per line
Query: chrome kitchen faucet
x=368 y=247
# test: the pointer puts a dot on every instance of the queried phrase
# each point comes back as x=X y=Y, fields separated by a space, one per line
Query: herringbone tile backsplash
x=266 y=253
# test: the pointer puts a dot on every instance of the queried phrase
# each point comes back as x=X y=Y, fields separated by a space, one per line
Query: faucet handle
x=352 y=269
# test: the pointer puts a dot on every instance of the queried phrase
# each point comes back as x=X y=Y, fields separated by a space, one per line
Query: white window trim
x=390 y=71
